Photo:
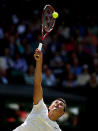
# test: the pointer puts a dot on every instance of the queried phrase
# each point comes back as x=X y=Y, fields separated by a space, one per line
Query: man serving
x=40 y=119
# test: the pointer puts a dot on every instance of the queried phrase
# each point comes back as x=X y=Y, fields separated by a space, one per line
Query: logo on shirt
x=55 y=128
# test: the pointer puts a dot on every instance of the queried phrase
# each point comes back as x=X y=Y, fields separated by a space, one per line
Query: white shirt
x=38 y=120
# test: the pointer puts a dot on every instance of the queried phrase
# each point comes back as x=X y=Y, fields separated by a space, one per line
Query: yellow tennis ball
x=55 y=15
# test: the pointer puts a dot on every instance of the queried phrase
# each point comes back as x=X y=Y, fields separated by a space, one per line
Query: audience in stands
x=70 y=59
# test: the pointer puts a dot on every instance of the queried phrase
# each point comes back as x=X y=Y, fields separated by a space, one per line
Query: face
x=57 y=107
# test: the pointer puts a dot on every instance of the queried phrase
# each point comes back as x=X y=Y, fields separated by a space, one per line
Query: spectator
x=92 y=37
x=63 y=52
x=84 y=77
x=28 y=55
x=93 y=81
x=64 y=30
x=21 y=28
x=3 y=76
x=17 y=39
x=12 y=29
x=80 y=27
x=1 y=33
x=54 y=45
x=15 y=19
x=94 y=27
x=79 y=38
x=49 y=79
x=57 y=66
x=20 y=63
x=66 y=70
x=12 y=46
x=90 y=43
x=29 y=76
x=70 y=80
x=36 y=21
x=76 y=69
x=95 y=63
x=56 y=60
x=6 y=61
x=29 y=35
x=45 y=68
x=21 y=46
x=70 y=45
x=4 y=43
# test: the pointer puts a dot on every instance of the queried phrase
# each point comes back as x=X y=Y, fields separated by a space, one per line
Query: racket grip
x=40 y=46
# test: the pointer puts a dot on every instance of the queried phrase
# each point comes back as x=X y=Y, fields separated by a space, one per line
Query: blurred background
x=70 y=66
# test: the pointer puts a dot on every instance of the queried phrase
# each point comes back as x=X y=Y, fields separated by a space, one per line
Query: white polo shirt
x=38 y=120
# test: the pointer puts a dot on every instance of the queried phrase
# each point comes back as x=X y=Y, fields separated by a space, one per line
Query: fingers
x=37 y=54
x=36 y=57
x=37 y=51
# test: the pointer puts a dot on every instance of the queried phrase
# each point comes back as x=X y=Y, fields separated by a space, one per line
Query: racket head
x=47 y=20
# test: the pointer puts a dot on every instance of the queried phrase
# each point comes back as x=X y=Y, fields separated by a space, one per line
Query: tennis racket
x=47 y=23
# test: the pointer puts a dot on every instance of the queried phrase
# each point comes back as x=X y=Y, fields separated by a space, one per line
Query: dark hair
x=62 y=100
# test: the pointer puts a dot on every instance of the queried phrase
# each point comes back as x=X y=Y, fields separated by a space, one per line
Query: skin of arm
x=38 y=92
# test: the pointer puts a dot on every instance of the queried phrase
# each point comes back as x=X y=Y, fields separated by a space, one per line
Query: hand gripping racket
x=47 y=22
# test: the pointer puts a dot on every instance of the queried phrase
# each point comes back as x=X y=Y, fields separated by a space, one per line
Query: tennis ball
x=55 y=15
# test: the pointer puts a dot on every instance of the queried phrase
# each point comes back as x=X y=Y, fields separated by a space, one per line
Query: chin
x=55 y=110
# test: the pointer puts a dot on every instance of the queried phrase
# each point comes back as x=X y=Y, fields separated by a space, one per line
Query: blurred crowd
x=70 y=58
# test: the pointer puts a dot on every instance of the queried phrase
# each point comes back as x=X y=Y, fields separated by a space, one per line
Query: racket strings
x=48 y=19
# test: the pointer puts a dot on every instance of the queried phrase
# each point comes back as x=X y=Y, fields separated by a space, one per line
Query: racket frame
x=43 y=28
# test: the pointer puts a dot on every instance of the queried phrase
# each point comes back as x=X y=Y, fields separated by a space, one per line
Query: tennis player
x=40 y=119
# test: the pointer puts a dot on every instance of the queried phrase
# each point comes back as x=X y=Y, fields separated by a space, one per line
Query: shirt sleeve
x=40 y=107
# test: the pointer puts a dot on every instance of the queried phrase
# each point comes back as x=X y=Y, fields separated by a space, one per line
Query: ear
x=49 y=107
x=63 y=113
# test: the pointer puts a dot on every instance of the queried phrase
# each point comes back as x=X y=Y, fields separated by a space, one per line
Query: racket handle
x=40 y=46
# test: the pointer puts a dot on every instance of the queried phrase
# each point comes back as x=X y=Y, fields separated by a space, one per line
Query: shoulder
x=41 y=106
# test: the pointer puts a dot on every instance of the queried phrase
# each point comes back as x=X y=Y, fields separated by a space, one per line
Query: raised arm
x=37 y=92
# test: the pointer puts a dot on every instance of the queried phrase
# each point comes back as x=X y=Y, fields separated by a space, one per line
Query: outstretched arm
x=37 y=92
